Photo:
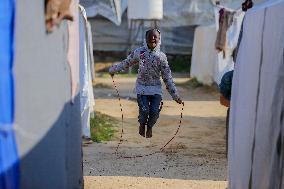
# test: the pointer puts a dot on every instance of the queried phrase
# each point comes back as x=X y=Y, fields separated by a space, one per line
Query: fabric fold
x=9 y=160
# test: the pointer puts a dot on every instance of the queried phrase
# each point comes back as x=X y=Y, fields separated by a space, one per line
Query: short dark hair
x=151 y=30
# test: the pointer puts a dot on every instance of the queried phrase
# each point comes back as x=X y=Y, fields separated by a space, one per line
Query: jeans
x=149 y=109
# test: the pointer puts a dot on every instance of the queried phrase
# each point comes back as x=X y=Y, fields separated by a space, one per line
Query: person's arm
x=131 y=60
x=168 y=80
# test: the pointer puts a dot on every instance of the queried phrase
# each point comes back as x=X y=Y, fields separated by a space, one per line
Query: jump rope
x=122 y=130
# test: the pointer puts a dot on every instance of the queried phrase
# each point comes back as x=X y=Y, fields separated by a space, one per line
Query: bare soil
x=196 y=158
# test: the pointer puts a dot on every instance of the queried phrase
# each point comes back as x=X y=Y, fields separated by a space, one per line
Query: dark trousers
x=149 y=109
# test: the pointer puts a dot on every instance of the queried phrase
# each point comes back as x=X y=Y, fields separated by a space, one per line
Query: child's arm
x=168 y=80
x=131 y=60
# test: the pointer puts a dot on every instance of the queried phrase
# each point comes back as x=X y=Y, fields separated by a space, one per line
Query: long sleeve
x=131 y=60
x=168 y=79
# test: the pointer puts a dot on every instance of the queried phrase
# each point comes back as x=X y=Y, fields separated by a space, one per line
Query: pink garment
x=73 y=48
x=55 y=12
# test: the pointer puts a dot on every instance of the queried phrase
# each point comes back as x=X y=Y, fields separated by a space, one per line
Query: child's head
x=153 y=38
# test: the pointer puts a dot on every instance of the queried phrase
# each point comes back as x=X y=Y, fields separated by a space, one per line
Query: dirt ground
x=196 y=158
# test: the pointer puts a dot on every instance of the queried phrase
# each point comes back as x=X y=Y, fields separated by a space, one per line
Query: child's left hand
x=111 y=74
x=179 y=101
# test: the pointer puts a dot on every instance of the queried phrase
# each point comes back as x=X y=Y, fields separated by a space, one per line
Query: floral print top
x=152 y=65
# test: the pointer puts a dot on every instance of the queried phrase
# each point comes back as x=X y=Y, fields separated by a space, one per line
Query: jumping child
x=152 y=64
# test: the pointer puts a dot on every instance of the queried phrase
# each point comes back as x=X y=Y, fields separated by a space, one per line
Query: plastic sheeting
x=47 y=125
x=207 y=65
x=110 y=37
x=176 y=14
x=204 y=55
x=110 y=29
x=110 y=9
x=9 y=160
x=256 y=137
x=226 y=64
x=86 y=62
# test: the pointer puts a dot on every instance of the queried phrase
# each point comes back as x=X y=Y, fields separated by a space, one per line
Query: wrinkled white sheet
x=204 y=55
x=86 y=62
x=257 y=103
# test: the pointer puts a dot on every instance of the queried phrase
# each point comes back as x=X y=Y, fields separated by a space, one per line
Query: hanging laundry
x=86 y=62
x=91 y=64
x=225 y=21
x=55 y=12
x=233 y=32
x=91 y=50
x=73 y=48
x=9 y=160
x=230 y=37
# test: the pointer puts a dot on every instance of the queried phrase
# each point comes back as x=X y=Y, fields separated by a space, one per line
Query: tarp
x=110 y=9
x=176 y=14
x=110 y=37
x=110 y=29
x=257 y=103
x=204 y=55
x=9 y=161
x=47 y=125
x=86 y=63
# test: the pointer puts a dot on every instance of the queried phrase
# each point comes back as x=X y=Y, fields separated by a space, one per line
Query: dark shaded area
x=54 y=162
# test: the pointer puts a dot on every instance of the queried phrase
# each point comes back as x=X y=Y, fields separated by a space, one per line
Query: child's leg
x=143 y=104
x=154 y=111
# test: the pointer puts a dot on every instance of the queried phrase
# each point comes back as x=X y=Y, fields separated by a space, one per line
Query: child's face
x=153 y=39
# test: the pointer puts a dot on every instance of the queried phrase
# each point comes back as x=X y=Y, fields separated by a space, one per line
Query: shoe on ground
x=86 y=140
x=142 y=130
x=149 y=132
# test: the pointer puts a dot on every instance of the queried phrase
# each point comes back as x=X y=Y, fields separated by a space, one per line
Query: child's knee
x=144 y=112
x=143 y=116
x=155 y=113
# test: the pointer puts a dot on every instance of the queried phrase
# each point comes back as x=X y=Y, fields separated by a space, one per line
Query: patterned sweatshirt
x=152 y=65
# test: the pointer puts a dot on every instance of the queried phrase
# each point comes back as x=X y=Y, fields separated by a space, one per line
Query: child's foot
x=142 y=130
x=149 y=132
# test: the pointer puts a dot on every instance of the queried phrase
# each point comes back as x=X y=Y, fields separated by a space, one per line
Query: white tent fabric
x=86 y=89
x=204 y=55
x=207 y=65
x=178 y=24
x=256 y=154
x=110 y=9
x=225 y=64
x=195 y=12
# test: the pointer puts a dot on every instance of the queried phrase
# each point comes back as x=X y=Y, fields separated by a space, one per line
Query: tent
x=110 y=24
x=257 y=102
x=204 y=56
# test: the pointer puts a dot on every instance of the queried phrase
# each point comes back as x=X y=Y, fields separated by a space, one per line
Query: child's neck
x=151 y=49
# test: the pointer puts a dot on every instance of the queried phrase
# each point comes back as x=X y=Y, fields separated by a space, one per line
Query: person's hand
x=179 y=101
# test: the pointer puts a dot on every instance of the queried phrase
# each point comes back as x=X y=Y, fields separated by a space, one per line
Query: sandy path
x=195 y=159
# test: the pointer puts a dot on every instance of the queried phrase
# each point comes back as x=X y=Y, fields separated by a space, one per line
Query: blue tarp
x=9 y=161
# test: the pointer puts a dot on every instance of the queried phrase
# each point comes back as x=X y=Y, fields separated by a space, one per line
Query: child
x=152 y=64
